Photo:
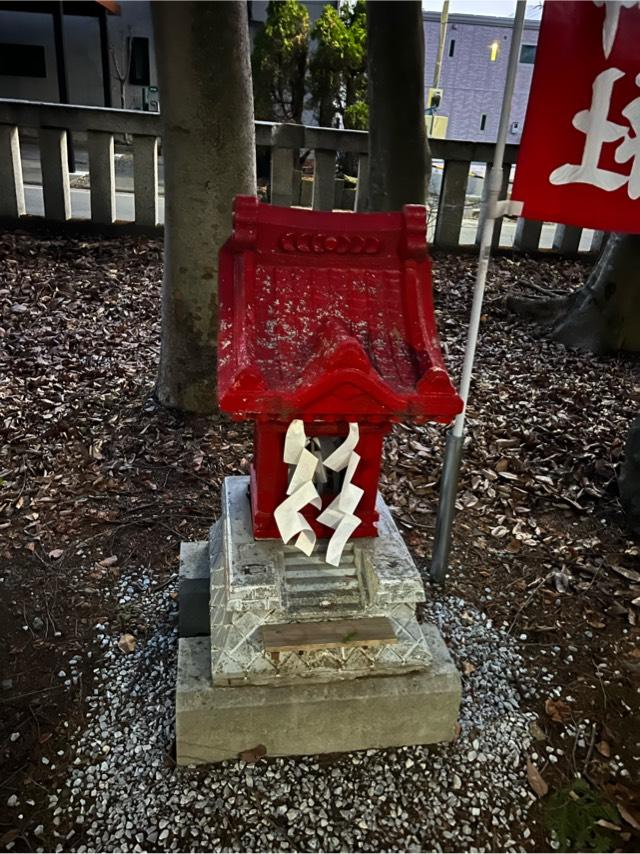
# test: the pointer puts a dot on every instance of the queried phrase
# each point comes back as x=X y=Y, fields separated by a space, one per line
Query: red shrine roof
x=329 y=316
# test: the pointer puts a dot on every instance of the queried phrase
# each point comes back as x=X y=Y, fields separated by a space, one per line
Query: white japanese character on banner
x=612 y=9
x=599 y=129
x=629 y=148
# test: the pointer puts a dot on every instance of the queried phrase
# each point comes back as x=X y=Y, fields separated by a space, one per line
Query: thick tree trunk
x=629 y=477
x=399 y=160
x=209 y=156
x=604 y=315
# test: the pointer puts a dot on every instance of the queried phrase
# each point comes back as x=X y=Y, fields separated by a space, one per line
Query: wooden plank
x=11 y=186
x=497 y=226
x=145 y=179
x=324 y=180
x=289 y=637
x=55 y=174
x=362 y=188
x=527 y=237
x=102 y=177
x=567 y=239
x=283 y=161
x=451 y=205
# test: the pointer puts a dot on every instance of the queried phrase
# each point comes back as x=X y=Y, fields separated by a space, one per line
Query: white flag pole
x=492 y=209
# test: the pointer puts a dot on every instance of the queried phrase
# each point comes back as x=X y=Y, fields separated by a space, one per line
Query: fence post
x=145 y=179
x=567 y=239
x=102 y=177
x=11 y=186
x=362 y=188
x=324 y=180
x=451 y=205
x=527 y=236
x=286 y=142
x=55 y=174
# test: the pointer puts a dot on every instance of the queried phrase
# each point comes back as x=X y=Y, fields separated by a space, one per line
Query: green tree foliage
x=338 y=66
x=279 y=62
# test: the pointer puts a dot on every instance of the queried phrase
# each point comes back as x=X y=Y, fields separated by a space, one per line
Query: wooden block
x=290 y=637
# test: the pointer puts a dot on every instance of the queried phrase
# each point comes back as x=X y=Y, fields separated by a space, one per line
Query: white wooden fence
x=140 y=133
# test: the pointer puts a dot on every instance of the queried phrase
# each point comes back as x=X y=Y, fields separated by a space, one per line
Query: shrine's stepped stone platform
x=302 y=656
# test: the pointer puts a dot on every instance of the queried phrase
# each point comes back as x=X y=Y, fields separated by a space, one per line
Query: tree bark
x=209 y=156
x=604 y=315
x=629 y=477
x=399 y=158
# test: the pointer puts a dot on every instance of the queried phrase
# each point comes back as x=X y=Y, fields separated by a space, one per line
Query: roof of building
x=480 y=20
x=329 y=316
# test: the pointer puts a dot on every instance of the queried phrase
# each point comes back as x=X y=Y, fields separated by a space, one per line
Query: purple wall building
x=474 y=68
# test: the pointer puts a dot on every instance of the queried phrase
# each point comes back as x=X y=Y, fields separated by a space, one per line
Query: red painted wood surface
x=327 y=317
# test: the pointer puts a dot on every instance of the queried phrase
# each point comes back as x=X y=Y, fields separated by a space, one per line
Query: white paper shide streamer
x=340 y=514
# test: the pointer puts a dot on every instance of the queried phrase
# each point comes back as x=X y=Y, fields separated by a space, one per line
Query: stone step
x=340 y=600
x=317 y=559
x=299 y=571
x=321 y=585
x=327 y=634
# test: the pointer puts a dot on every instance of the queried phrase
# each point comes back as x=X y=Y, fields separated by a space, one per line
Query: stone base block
x=217 y=723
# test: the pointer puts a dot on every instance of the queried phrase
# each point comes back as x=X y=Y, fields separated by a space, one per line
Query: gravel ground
x=124 y=793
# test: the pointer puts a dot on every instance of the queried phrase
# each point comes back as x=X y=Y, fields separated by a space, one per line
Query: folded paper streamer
x=340 y=514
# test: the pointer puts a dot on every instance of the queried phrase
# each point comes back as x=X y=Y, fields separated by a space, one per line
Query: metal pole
x=444 y=17
x=61 y=68
x=455 y=437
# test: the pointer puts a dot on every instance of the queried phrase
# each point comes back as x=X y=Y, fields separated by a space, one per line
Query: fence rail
x=35 y=184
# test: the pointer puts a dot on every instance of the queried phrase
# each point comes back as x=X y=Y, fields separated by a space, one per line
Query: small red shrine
x=327 y=318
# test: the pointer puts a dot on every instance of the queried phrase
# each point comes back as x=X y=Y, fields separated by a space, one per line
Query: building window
x=139 y=66
x=483 y=121
x=452 y=47
x=528 y=53
x=494 y=51
x=22 y=60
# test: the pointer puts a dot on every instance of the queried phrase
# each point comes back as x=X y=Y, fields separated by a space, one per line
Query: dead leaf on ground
x=536 y=780
x=108 y=561
x=602 y=822
x=629 y=817
x=54 y=554
x=629 y=574
x=558 y=710
x=603 y=748
x=127 y=644
x=254 y=754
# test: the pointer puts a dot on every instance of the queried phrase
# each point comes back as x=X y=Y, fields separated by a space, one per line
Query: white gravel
x=123 y=792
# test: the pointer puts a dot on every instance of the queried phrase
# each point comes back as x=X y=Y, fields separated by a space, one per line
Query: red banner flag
x=579 y=159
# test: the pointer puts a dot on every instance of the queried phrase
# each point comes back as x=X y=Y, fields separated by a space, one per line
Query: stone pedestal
x=233 y=694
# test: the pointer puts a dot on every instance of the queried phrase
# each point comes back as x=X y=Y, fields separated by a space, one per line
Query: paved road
x=81 y=204
x=125 y=211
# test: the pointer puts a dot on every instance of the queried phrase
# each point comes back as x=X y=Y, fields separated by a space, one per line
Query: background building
x=96 y=36
x=474 y=69
x=113 y=42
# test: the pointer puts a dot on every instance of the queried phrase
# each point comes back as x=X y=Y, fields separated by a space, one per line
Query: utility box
x=437 y=126
x=151 y=99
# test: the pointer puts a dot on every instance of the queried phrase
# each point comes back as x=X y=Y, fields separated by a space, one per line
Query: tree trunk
x=604 y=315
x=629 y=477
x=209 y=155
x=399 y=159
